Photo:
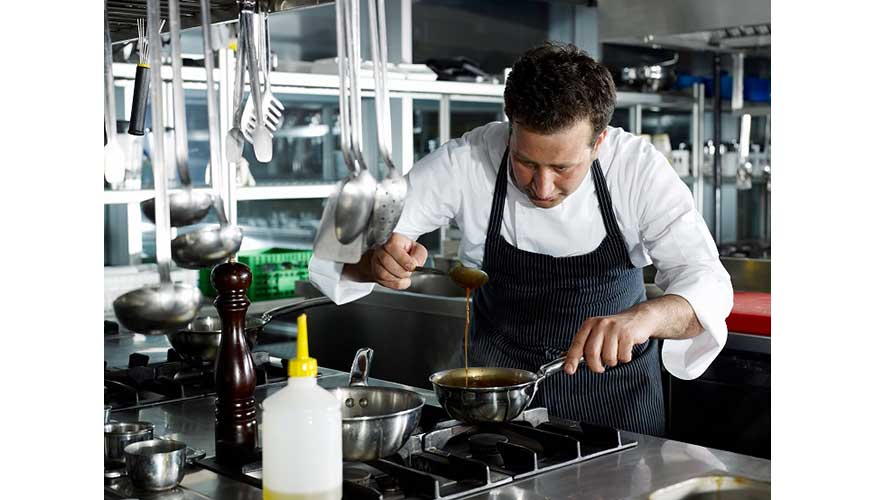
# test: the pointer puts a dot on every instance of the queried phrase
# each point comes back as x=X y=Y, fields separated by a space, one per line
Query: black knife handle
x=141 y=98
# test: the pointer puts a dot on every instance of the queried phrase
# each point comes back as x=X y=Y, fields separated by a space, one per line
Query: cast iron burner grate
x=144 y=384
x=448 y=459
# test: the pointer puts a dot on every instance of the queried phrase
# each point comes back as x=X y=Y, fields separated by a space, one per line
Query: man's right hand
x=393 y=263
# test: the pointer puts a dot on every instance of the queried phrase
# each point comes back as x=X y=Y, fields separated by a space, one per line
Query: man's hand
x=608 y=340
x=393 y=263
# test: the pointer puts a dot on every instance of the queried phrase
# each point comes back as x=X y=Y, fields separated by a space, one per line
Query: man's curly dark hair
x=555 y=85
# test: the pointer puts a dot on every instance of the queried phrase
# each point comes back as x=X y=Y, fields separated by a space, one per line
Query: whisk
x=141 y=80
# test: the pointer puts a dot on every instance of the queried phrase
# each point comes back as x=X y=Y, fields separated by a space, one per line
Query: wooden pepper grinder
x=236 y=427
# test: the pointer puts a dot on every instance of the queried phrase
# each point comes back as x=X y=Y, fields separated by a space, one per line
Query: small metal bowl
x=117 y=435
x=156 y=464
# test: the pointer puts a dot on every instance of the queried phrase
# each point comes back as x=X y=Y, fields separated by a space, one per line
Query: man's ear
x=598 y=142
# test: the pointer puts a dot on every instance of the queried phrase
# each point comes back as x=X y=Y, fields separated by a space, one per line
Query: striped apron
x=532 y=306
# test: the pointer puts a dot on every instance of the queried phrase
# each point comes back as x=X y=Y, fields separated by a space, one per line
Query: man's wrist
x=669 y=317
x=360 y=271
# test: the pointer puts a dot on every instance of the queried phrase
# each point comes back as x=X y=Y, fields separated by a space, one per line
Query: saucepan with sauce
x=478 y=395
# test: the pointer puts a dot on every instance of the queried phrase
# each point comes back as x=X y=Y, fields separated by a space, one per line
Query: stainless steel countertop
x=634 y=473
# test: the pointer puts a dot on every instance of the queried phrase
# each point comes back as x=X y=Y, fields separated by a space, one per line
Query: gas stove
x=145 y=383
x=447 y=459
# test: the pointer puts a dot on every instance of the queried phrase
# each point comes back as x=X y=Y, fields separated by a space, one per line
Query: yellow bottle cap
x=303 y=365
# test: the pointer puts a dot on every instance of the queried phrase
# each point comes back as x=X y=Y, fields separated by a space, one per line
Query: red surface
x=752 y=313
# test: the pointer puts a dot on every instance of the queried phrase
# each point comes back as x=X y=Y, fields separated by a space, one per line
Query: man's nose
x=543 y=183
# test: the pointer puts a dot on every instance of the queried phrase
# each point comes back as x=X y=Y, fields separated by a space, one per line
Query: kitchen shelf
x=288 y=82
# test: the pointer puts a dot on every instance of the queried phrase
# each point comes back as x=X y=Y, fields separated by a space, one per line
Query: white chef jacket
x=654 y=209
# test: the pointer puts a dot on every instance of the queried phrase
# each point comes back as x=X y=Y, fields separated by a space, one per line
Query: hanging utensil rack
x=123 y=14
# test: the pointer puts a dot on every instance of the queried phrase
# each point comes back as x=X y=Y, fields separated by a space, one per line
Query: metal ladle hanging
x=356 y=199
x=391 y=191
x=187 y=206
x=157 y=309
x=209 y=246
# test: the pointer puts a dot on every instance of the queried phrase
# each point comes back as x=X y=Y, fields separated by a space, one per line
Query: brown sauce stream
x=467 y=323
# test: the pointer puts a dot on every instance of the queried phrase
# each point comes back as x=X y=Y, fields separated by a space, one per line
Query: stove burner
x=486 y=443
x=484 y=447
x=356 y=475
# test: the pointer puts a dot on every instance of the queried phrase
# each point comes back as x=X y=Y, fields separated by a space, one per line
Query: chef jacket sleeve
x=433 y=198
x=682 y=249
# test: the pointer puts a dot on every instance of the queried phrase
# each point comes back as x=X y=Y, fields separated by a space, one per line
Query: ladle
x=167 y=306
x=465 y=277
x=391 y=191
x=209 y=246
x=187 y=206
x=356 y=199
x=327 y=246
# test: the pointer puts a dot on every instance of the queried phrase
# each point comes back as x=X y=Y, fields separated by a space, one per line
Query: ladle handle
x=343 y=90
x=180 y=128
x=290 y=308
x=213 y=115
x=377 y=25
x=361 y=367
x=162 y=208
x=429 y=270
x=354 y=48
x=109 y=97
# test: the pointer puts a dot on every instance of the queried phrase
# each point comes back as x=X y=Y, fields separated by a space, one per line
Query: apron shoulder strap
x=604 y=196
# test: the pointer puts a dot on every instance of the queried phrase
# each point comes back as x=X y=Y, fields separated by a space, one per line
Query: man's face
x=548 y=168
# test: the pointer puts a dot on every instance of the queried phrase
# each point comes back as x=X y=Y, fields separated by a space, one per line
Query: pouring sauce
x=467 y=324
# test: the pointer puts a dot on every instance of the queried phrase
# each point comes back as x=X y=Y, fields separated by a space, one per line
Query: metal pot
x=118 y=435
x=199 y=341
x=489 y=394
x=377 y=421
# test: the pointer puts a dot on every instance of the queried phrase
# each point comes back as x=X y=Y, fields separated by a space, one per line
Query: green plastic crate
x=274 y=273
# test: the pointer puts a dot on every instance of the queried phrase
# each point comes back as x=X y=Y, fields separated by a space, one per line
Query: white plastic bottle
x=302 y=447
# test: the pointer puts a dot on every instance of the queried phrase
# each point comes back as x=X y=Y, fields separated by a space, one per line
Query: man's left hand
x=607 y=340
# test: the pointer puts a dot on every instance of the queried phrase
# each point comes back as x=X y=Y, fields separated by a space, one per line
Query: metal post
x=635 y=119
x=718 y=173
x=444 y=120
x=697 y=148
x=737 y=81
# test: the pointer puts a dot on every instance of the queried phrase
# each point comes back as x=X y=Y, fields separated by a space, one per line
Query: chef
x=563 y=211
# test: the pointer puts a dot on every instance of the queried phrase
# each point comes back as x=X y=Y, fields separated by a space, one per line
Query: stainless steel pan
x=377 y=421
x=489 y=394
x=199 y=340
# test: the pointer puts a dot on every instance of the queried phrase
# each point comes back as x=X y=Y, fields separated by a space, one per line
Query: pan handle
x=552 y=367
x=267 y=316
x=361 y=367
